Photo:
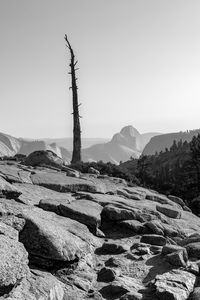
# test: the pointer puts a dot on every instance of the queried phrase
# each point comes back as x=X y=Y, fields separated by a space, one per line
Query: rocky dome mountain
x=125 y=144
x=161 y=142
x=69 y=236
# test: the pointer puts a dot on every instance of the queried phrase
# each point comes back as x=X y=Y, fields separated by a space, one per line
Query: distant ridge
x=9 y=146
x=162 y=141
x=123 y=145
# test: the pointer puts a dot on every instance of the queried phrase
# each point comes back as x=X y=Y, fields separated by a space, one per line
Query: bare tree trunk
x=76 y=156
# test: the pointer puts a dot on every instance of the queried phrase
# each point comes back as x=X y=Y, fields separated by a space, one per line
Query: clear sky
x=139 y=65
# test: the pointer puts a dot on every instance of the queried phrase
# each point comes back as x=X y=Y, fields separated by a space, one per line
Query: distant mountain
x=67 y=143
x=162 y=141
x=128 y=142
x=123 y=145
x=9 y=146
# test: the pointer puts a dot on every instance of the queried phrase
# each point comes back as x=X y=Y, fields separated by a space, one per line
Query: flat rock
x=61 y=183
x=153 y=239
x=174 y=285
x=83 y=211
x=32 y=194
x=169 y=211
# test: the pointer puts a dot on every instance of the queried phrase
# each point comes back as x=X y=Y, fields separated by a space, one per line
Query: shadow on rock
x=159 y=266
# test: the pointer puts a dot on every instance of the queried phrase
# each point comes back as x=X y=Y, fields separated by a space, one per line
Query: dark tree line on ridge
x=173 y=171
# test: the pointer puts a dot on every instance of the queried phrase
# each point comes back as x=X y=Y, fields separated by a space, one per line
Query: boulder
x=51 y=239
x=168 y=249
x=8 y=190
x=114 y=248
x=120 y=287
x=153 y=227
x=153 y=239
x=116 y=262
x=107 y=274
x=115 y=213
x=174 y=285
x=133 y=225
x=44 y=157
x=83 y=211
x=193 y=250
x=169 y=211
x=178 y=258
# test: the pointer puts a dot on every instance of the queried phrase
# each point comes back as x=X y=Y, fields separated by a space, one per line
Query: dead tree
x=76 y=156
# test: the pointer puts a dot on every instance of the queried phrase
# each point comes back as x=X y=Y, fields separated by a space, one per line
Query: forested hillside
x=173 y=171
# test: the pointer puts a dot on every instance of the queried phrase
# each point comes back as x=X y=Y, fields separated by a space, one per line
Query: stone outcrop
x=93 y=237
x=175 y=285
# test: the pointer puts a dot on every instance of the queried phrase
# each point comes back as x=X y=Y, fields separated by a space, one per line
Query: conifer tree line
x=173 y=171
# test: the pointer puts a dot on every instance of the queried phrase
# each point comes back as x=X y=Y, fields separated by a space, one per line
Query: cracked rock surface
x=93 y=237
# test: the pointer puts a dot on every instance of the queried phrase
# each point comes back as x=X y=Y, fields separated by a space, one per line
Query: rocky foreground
x=89 y=236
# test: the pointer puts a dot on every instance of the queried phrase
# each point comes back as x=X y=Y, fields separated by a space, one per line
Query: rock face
x=93 y=237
